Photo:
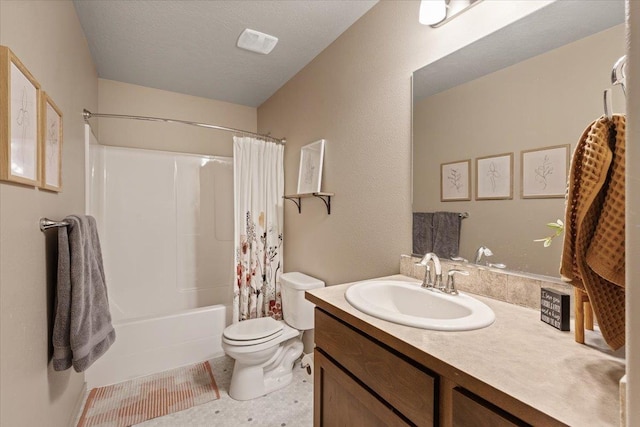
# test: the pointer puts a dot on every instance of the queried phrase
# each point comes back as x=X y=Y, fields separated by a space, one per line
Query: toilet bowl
x=265 y=349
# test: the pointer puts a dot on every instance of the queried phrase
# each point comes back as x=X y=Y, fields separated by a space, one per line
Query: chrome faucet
x=451 y=284
x=482 y=250
x=427 y=281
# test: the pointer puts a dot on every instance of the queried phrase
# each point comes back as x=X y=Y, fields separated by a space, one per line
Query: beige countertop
x=518 y=355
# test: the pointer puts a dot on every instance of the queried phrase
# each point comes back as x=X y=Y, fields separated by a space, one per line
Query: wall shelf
x=297 y=199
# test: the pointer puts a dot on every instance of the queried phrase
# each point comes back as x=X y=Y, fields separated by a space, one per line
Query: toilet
x=265 y=349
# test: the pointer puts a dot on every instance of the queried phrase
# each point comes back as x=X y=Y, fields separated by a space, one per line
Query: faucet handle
x=498 y=265
x=459 y=259
x=451 y=283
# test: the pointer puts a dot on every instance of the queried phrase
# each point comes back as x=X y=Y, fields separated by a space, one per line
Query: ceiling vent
x=255 y=41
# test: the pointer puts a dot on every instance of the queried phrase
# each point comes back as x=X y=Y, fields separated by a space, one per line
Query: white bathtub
x=149 y=345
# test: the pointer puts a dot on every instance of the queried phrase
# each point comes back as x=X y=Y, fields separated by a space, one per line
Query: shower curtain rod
x=88 y=114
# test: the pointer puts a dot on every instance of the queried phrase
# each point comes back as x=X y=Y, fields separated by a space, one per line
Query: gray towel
x=422 y=232
x=446 y=234
x=82 y=330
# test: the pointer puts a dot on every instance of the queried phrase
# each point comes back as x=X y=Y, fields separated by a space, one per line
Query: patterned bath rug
x=144 y=398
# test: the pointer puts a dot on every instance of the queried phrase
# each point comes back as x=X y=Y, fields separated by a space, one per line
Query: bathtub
x=154 y=344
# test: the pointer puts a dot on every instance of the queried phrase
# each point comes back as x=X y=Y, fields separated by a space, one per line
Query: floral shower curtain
x=258 y=176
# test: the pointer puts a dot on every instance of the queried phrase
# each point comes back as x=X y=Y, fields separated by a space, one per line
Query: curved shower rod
x=88 y=114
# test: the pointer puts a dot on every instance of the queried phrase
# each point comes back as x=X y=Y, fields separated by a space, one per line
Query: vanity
x=517 y=371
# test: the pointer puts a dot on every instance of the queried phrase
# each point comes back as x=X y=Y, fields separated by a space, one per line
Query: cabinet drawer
x=471 y=411
x=407 y=388
x=341 y=401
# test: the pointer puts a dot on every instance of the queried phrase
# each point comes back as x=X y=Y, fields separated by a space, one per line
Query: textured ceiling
x=553 y=26
x=189 y=46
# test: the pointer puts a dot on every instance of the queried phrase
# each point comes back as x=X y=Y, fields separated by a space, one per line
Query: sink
x=409 y=304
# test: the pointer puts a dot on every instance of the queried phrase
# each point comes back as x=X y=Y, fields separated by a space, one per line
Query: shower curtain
x=258 y=176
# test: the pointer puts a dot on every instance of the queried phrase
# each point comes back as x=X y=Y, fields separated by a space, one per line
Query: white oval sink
x=409 y=304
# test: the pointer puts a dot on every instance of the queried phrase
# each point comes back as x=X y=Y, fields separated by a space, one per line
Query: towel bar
x=46 y=223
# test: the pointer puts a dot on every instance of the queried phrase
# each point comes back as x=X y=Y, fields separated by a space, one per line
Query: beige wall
x=357 y=95
x=545 y=101
x=123 y=98
x=48 y=39
x=633 y=215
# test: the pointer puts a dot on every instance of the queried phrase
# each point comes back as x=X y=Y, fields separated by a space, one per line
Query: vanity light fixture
x=438 y=12
x=255 y=41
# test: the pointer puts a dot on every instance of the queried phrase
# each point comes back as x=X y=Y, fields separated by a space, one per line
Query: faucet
x=482 y=250
x=427 y=282
x=451 y=284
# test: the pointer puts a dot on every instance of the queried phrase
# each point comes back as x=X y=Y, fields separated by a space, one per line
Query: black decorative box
x=554 y=309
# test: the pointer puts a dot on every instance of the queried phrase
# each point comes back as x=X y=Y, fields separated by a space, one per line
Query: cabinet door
x=340 y=401
x=471 y=411
x=403 y=385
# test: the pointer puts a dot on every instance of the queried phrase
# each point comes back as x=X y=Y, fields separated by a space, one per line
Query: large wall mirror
x=534 y=84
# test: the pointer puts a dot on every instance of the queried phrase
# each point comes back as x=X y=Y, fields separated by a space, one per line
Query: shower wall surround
x=166 y=225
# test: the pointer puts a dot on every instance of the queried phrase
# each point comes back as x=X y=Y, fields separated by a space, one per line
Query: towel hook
x=619 y=73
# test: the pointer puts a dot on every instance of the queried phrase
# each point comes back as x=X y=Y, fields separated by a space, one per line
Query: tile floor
x=291 y=406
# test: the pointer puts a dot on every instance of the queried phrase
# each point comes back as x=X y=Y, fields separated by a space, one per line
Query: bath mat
x=144 y=398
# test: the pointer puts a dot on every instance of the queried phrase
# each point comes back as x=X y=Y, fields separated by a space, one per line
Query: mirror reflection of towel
x=422 y=232
x=437 y=232
x=446 y=234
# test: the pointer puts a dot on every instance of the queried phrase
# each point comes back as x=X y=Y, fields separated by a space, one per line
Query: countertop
x=518 y=355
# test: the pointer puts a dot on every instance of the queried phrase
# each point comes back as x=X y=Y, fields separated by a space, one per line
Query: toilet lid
x=253 y=329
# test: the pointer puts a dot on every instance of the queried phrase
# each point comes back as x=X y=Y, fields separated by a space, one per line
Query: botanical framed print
x=310 y=173
x=51 y=145
x=19 y=121
x=455 y=181
x=494 y=177
x=544 y=172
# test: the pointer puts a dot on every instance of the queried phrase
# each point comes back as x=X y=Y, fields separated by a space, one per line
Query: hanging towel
x=593 y=252
x=446 y=234
x=82 y=329
x=422 y=232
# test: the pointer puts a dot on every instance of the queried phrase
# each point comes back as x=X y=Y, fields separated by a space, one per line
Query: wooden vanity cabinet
x=341 y=400
x=372 y=376
x=468 y=410
x=359 y=381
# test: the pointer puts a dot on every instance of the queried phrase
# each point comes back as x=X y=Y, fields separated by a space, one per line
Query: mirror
x=535 y=83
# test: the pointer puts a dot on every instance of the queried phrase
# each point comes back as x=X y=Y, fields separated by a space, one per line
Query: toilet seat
x=247 y=347
x=252 y=331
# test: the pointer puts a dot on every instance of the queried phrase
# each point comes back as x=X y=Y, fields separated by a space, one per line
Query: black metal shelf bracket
x=326 y=199
x=297 y=199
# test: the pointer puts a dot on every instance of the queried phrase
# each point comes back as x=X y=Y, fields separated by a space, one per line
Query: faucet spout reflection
x=482 y=250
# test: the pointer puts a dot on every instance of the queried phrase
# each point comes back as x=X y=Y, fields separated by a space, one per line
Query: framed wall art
x=544 y=172
x=310 y=173
x=455 y=181
x=494 y=177
x=51 y=145
x=19 y=121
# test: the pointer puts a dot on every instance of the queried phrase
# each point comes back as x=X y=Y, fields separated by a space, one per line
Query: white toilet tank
x=297 y=311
